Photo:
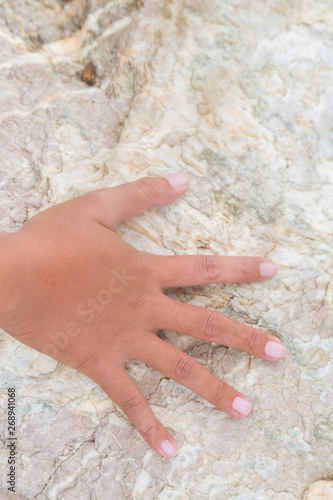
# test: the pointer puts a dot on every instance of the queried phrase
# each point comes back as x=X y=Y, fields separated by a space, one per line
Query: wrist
x=11 y=277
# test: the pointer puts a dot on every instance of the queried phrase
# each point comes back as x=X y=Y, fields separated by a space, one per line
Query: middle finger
x=214 y=326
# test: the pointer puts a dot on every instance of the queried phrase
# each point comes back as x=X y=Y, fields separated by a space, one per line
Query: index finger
x=188 y=270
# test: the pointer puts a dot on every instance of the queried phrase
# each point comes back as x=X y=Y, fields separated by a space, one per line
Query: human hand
x=92 y=301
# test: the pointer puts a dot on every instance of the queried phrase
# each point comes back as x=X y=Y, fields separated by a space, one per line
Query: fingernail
x=241 y=405
x=179 y=180
x=274 y=349
x=267 y=269
x=168 y=448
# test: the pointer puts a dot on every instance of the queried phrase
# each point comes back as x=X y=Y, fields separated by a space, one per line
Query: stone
x=238 y=94
x=320 y=490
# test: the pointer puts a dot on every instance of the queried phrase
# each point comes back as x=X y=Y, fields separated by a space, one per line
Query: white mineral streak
x=240 y=95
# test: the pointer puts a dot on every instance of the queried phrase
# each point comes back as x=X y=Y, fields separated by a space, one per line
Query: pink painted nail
x=274 y=349
x=241 y=405
x=168 y=448
x=267 y=269
x=178 y=180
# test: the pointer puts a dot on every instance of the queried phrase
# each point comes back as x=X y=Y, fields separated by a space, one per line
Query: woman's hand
x=91 y=301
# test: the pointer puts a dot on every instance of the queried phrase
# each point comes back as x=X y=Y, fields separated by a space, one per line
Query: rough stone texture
x=320 y=490
x=239 y=94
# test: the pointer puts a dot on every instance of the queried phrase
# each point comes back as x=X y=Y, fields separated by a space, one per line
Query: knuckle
x=149 y=428
x=90 y=363
x=211 y=328
x=184 y=367
x=138 y=301
x=148 y=187
x=96 y=202
x=245 y=272
x=220 y=394
x=210 y=268
x=251 y=339
x=144 y=263
x=134 y=404
x=96 y=197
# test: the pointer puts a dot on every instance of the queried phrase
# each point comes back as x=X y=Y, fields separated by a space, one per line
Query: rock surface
x=240 y=95
x=320 y=490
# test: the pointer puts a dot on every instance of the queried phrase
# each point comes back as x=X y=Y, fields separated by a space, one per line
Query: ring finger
x=181 y=367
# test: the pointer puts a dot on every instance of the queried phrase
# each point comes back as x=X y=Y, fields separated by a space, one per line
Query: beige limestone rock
x=320 y=490
x=239 y=94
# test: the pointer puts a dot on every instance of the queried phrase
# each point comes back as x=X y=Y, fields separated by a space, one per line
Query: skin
x=71 y=288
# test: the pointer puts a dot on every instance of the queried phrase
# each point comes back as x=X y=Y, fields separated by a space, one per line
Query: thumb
x=122 y=202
